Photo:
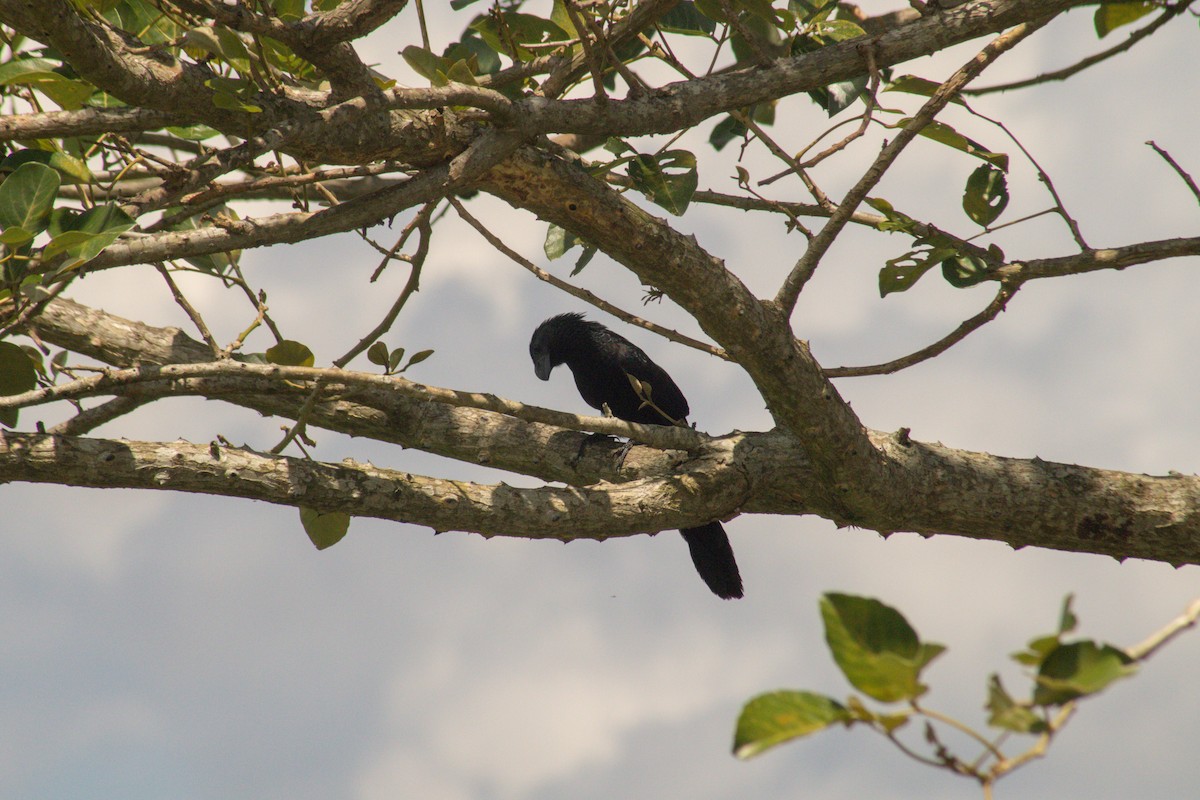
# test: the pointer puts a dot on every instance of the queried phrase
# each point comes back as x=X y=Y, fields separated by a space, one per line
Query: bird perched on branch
x=610 y=371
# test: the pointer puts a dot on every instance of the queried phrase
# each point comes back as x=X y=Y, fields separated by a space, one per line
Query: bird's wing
x=663 y=392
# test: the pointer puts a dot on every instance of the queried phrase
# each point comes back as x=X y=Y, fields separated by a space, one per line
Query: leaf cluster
x=882 y=656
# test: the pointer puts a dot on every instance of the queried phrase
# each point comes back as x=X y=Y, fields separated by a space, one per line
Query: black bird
x=603 y=363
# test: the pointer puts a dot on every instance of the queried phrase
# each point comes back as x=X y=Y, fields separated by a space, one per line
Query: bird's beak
x=542 y=366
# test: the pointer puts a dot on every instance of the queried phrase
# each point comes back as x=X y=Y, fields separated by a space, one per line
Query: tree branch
x=291 y=380
x=640 y=506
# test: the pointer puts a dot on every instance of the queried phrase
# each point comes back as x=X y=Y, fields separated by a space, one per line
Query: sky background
x=164 y=646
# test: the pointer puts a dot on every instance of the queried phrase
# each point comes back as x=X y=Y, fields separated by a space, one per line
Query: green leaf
x=1067 y=621
x=251 y=358
x=67 y=166
x=1036 y=652
x=324 y=529
x=911 y=84
x=394 y=358
x=417 y=358
x=193 y=133
x=668 y=181
x=944 y=134
x=837 y=97
x=896 y=221
x=765 y=35
x=213 y=263
x=900 y=273
x=219 y=41
x=426 y=64
x=725 y=132
x=730 y=128
x=812 y=10
x=289 y=10
x=1075 y=670
x=712 y=9
x=1008 y=713
x=84 y=236
x=685 y=19
x=838 y=30
x=517 y=28
x=986 y=195
x=378 y=354
x=16 y=236
x=559 y=241
x=560 y=17
x=875 y=647
x=460 y=72
x=964 y=269
x=472 y=48
x=777 y=717
x=584 y=258
x=18 y=374
x=44 y=75
x=234 y=94
x=150 y=23
x=1110 y=16
x=233 y=49
x=290 y=354
x=13 y=71
x=617 y=146
x=27 y=196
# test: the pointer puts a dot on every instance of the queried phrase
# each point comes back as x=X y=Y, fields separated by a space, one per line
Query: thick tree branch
x=361 y=212
x=754 y=333
x=242 y=378
x=86 y=122
x=371 y=132
x=1098 y=259
x=935 y=489
x=1022 y=502
x=685 y=103
x=640 y=506
x=462 y=434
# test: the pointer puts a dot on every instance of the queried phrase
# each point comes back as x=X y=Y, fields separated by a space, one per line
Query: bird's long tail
x=714 y=559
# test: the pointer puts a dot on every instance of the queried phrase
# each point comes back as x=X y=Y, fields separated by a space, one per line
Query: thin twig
x=1191 y=184
x=993 y=309
x=88 y=420
x=421 y=22
x=240 y=340
x=188 y=309
x=961 y=727
x=259 y=301
x=389 y=254
x=789 y=292
x=422 y=224
x=1155 y=642
x=584 y=294
x=785 y=157
x=297 y=430
x=866 y=118
x=595 y=65
x=1043 y=176
x=1061 y=75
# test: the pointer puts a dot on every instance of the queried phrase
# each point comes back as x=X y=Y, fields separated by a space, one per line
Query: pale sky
x=160 y=646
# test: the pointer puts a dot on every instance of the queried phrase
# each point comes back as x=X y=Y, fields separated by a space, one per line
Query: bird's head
x=549 y=344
